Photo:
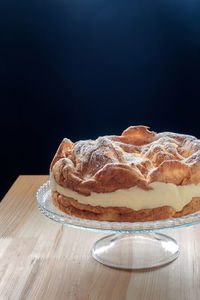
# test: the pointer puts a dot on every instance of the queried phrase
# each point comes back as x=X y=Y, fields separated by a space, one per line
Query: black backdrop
x=84 y=68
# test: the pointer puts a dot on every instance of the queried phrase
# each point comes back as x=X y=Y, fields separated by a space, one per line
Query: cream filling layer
x=136 y=198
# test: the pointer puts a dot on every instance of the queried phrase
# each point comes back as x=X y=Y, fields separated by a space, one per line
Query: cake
x=140 y=176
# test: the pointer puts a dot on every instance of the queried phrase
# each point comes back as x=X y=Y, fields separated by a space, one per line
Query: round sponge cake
x=137 y=176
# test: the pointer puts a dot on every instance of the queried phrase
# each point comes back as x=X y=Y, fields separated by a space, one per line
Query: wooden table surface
x=41 y=259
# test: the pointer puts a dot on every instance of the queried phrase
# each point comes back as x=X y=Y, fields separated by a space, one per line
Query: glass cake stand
x=131 y=245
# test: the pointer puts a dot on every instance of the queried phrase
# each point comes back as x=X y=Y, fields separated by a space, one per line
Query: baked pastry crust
x=136 y=158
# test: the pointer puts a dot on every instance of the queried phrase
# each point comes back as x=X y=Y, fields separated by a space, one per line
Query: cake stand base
x=135 y=251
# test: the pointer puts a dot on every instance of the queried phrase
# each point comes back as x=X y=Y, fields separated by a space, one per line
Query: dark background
x=84 y=68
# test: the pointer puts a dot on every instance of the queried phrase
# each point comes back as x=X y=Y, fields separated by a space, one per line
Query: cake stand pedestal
x=131 y=245
x=135 y=250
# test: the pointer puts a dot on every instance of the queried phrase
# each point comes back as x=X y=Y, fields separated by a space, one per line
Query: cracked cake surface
x=136 y=158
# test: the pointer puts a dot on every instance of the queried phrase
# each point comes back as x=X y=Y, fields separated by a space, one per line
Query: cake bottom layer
x=73 y=208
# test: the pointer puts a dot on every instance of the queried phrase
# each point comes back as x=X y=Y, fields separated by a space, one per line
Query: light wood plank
x=41 y=259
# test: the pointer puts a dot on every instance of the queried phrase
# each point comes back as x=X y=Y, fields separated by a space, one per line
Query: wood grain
x=40 y=259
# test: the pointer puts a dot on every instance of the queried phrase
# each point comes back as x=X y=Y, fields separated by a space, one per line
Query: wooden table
x=40 y=259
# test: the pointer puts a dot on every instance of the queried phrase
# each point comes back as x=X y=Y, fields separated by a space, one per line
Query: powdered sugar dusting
x=141 y=155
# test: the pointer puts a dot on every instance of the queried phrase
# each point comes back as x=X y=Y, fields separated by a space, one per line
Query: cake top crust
x=136 y=158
